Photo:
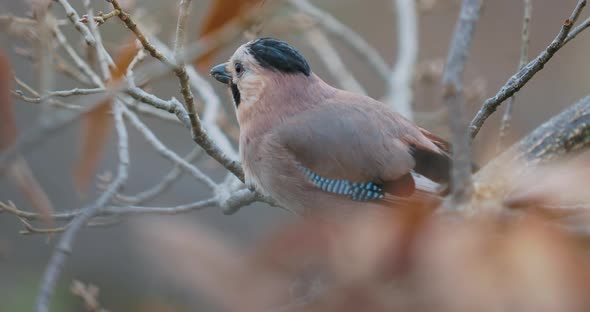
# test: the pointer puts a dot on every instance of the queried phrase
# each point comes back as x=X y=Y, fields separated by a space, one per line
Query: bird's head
x=259 y=65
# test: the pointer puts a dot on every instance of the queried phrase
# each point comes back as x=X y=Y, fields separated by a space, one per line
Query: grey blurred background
x=111 y=258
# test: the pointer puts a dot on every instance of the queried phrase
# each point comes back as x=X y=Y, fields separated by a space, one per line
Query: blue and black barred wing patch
x=357 y=191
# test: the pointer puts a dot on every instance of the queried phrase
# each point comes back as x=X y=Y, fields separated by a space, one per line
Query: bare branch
x=75 y=19
x=523 y=59
x=576 y=31
x=37 y=98
x=454 y=99
x=104 y=58
x=147 y=45
x=67 y=69
x=166 y=152
x=400 y=81
x=199 y=134
x=64 y=246
x=348 y=36
x=101 y=18
x=564 y=134
x=325 y=50
x=211 y=112
x=172 y=106
x=164 y=184
x=228 y=204
x=40 y=131
x=518 y=80
x=78 y=61
x=183 y=13
x=211 y=101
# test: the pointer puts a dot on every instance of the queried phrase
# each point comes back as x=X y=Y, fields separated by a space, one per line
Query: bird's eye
x=239 y=68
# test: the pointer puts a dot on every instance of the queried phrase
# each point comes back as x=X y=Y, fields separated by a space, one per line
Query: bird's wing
x=354 y=149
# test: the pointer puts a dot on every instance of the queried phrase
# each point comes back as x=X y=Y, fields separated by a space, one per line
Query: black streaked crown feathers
x=278 y=55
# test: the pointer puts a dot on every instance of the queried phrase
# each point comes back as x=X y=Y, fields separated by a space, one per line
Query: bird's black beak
x=218 y=72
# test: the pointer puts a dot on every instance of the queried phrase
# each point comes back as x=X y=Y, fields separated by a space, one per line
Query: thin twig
x=452 y=80
x=237 y=199
x=78 y=61
x=198 y=132
x=523 y=59
x=163 y=184
x=30 y=229
x=400 y=81
x=165 y=151
x=64 y=246
x=148 y=110
x=566 y=133
x=67 y=69
x=19 y=27
x=137 y=59
x=101 y=18
x=518 y=80
x=40 y=131
x=211 y=112
x=37 y=98
x=45 y=58
x=132 y=26
x=75 y=19
x=172 y=106
x=576 y=31
x=104 y=58
x=183 y=13
x=211 y=101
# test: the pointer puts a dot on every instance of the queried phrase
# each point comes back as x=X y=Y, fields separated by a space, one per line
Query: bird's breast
x=252 y=162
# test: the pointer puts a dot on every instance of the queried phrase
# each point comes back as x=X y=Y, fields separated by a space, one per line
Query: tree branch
x=334 y=64
x=564 y=134
x=402 y=76
x=348 y=36
x=75 y=19
x=199 y=134
x=518 y=80
x=454 y=99
x=523 y=59
x=64 y=246
x=229 y=203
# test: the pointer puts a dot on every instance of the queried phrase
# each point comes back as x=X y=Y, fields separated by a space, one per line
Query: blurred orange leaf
x=97 y=126
x=7 y=124
x=221 y=13
x=19 y=170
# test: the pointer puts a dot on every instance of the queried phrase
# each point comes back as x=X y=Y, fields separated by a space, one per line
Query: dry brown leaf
x=219 y=14
x=97 y=125
x=23 y=176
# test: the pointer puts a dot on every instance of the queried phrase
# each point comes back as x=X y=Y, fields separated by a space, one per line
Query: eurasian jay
x=311 y=146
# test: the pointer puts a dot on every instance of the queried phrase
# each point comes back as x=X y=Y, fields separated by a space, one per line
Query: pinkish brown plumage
x=314 y=147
